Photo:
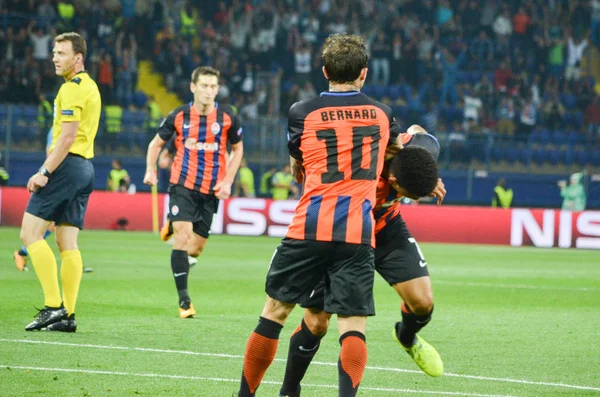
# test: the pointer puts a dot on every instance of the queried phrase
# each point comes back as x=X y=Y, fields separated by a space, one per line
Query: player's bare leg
x=417 y=307
x=183 y=236
x=44 y=263
x=262 y=345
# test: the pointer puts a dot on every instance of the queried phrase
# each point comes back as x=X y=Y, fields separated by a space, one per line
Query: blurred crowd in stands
x=515 y=69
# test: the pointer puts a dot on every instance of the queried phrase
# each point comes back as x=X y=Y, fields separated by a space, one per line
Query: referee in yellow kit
x=62 y=186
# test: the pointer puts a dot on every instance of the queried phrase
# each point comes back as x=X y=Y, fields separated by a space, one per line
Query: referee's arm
x=63 y=144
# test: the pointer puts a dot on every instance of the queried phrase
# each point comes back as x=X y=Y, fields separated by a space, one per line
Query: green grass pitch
x=507 y=322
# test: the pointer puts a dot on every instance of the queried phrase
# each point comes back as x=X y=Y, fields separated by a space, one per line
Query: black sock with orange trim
x=410 y=325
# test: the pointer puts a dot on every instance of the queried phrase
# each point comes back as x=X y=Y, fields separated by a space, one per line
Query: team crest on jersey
x=174 y=210
x=215 y=128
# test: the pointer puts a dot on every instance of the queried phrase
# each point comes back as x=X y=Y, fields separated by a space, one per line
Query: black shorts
x=64 y=199
x=346 y=270
x=187 y=205
x=398 y=258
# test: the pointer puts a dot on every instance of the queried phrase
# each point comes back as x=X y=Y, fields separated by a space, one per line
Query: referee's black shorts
x=64 y=199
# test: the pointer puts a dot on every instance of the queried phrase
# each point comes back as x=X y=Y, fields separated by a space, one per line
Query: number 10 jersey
x=341 y=139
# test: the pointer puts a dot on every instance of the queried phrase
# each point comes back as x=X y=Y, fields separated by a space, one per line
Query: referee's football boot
x=425 y=355
x=47 y=316
x=65 y=325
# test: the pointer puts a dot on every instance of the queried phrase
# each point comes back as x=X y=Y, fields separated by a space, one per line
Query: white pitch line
x=516 y=286
x=202 y=378
x=374 y=368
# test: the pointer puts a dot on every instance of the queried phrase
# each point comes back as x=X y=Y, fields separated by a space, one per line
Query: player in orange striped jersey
x=200 y=174
x=398 y=259
x=340 y=138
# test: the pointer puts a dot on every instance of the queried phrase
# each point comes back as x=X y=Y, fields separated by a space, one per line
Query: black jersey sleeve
x=295 y=129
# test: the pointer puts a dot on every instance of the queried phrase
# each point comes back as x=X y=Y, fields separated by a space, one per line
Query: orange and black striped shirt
x=200 y=144
x=341 y=138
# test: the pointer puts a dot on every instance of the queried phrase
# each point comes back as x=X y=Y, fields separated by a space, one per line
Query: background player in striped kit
x=200 y=174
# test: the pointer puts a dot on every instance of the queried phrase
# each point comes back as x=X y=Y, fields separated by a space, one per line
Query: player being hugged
x=411 y=173
x=200 y=174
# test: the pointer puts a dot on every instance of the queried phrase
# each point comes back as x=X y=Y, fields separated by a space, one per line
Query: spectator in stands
x=40 y=42
x=67 y=21
x=126 y=69
x=3 y=172
x=574 y=194
x=444 y=13
x=45 y=116
x=503 y=197
x=505 y=115
x=307 y=91
x=118 y=178
x=592 y=117
x=105 y=78
x=484 y=89
x=521 y=24
x=303 y=64
x=245 y=181
x=482 y=50
x=502 y=24
x=575 y=53
x=595 y=31
x=502 y=76
x=266 y=183
x=553 y=112
x=46 y=12
x=154 y=116
x=528 y=118
x=282 y=184
x=451 y=66
x=556 y=58
x=472 y=105
x=488 y=15
x=381 y=50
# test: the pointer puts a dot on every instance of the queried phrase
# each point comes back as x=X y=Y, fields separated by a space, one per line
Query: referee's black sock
x=410 y=325
x=181 y=269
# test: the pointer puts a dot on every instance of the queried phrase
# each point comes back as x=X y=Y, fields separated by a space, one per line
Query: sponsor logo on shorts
x=422 y=263
x=179 y=274
x=174 y=210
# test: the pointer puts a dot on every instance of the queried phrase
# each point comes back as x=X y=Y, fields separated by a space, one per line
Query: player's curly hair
x=415 y=170
x=344 y=56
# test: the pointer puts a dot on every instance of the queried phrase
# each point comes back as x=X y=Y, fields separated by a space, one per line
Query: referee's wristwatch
x=44 y=171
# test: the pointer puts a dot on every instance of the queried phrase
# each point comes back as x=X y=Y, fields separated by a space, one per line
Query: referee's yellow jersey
x=78 y=100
